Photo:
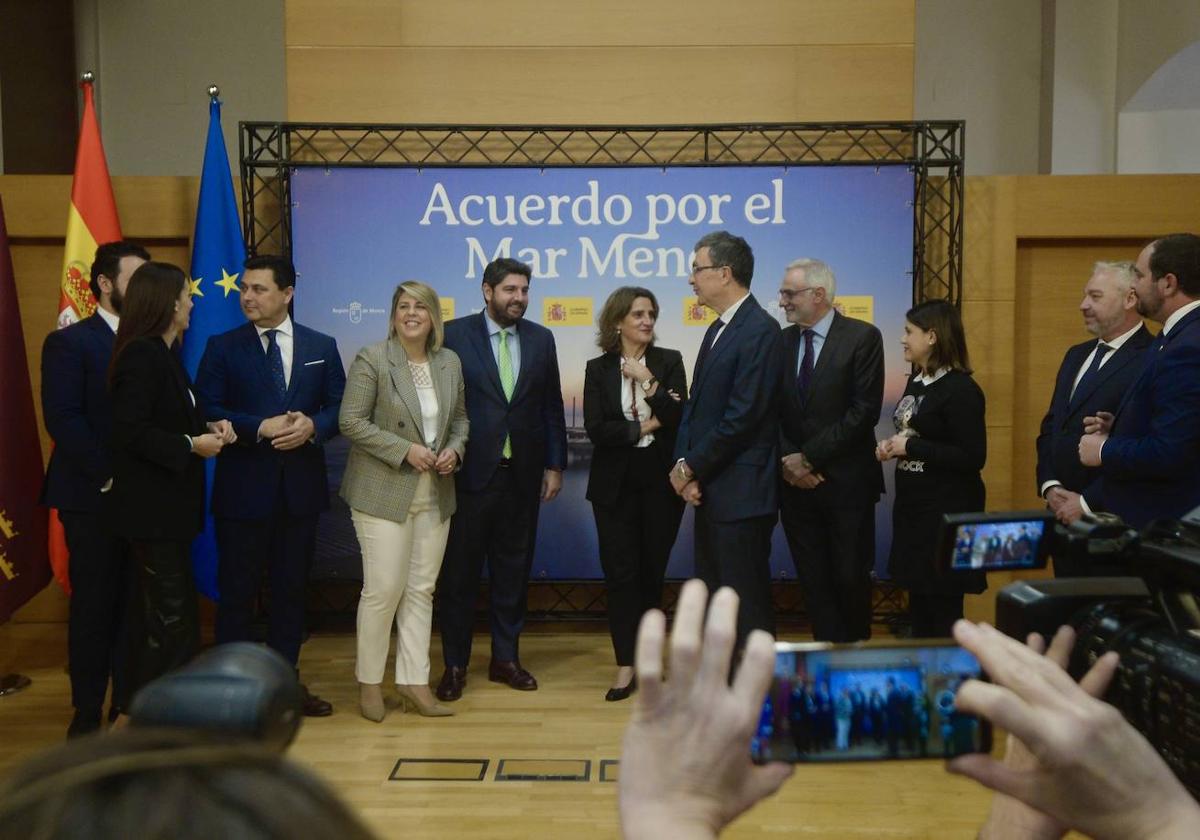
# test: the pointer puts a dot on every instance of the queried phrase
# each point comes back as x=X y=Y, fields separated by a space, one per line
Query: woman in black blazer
x=940 y=446
x=159 y=443
x=632 y=402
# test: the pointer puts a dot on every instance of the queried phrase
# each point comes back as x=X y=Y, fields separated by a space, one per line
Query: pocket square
x=317 y=362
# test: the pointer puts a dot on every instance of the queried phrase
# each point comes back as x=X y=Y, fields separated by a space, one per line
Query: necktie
x=506 y=383
x=275 y=364
x=709 y=337
x=1089 y=376
x=804 y=377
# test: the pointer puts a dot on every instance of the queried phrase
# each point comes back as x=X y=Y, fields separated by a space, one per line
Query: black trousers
x=170 y=613
x=496 y=524
x=284 y=545
x=100 y=634
x=933 y=614
x=833 y=549
x=738 y=554
x=636 y=534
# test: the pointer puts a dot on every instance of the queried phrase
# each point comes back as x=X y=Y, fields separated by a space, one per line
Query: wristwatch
x=648 y=384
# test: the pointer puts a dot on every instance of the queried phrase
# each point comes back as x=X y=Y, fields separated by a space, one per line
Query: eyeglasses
x=791 y=293
x=696 y=269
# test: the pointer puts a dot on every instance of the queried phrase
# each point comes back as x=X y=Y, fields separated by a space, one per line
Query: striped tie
x=506 y=382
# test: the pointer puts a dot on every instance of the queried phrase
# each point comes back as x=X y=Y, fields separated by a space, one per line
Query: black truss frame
x=933 y=150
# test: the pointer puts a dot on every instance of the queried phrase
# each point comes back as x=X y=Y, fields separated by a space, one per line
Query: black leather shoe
x=615 y=694
x=85 y=722
x=314 y=706
x=454 y=680
x=512 y=674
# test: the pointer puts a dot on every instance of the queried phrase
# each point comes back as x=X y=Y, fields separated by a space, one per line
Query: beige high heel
x=370 y=701
x=409 y=698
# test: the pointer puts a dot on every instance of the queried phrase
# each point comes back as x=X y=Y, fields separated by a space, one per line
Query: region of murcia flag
x=696 y=314
x=861 y=307
x=567 y=312
x=447 y=307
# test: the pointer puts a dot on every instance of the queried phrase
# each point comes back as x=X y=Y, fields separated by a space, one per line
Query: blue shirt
x=820 y=330
x=514 y=344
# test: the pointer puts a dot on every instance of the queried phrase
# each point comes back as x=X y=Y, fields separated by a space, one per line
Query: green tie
x=506 y=382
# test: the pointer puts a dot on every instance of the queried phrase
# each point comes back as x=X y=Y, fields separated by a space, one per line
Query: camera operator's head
x=1168 y=275
x=153 y=784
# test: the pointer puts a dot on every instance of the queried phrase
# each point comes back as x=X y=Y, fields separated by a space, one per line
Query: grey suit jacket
x=381 y=416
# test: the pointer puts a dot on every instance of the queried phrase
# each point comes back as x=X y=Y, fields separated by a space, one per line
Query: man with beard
x=1149 y=454
x=77 y=412
x=515 y=456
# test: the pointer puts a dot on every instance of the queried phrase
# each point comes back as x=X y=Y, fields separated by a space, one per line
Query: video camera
x=1147 y=609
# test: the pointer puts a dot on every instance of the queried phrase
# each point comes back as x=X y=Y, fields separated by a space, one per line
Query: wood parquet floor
x=566 y=718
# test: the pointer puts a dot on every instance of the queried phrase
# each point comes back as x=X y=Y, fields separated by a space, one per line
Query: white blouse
x=634 y=405
x=427 y=396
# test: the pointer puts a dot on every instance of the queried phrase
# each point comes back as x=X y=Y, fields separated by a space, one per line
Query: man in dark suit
x=1093 y=377
x=727 y=449
x=516 y=453
x=832 y=392
x=280 y=384
x=1149 y=455
x=78 y=416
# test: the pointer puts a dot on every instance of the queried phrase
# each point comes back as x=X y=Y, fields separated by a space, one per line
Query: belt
x=505 y=463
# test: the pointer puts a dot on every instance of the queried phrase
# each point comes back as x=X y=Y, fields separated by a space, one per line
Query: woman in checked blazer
x=405 y=415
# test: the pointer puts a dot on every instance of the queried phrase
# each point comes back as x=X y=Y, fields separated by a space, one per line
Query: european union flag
x=218 y=253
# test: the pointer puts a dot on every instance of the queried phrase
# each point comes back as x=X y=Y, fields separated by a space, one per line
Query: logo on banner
x=567 y=312
x=696 y=314
x=861 y=307
x=447 y=307
x=355 y=311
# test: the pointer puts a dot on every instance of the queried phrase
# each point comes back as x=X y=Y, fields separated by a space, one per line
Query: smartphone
x=871 y=702
x=995 y=541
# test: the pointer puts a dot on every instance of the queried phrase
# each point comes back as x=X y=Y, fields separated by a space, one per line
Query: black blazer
x=158 y=484
x=613 y=437
x=834 y=424
x=1058 y=440
x=77 y=413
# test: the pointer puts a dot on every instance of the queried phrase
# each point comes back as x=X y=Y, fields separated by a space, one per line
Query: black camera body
x=1150 y=617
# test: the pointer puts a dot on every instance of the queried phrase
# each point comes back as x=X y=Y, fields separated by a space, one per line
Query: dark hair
x=159 y=784
x=608 y=337
x=149 y=305
x=942 y=318
x=726 y=249
x=108 y=261
x=500 y=268
x=282 y=270
x=1178 y=254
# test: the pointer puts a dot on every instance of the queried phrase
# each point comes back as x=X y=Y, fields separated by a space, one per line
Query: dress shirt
x=819 y=330
x=1114 y=346
x=110 y=318
x=514 y=345
x=726 y=317
x=1177 y=316
x=633 y=403
x=284 y=339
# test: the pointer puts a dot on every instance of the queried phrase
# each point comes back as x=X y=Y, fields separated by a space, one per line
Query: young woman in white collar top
x=940 y=447
x=405 y=414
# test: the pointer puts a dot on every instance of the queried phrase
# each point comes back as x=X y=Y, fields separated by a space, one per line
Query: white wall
x=1158 y=141
x=1083 y=135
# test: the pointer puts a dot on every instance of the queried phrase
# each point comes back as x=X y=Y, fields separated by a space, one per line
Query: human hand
x=1055 y=496
x=681 y=475
x=421 y=458
x=650 y=425
x=1070 y=507
x=883 y=450
x=635 y=370
x=206 y=446
x=674 y=395
x=551 y=484
x=685 y=763
x=1092 y=771
x=1089 y=448
x=692 y=493
x=272 y=426
x=298 y=432
x=224 y=430
x=798 y=472
x=1098 y=424
x=810 y=481
x=898 y=446
x=447 y=462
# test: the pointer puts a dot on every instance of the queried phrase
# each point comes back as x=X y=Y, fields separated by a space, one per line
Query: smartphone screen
x=856 y=703
x=989 y=543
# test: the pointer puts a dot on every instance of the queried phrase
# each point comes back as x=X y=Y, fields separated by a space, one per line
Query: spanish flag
x=91 y=221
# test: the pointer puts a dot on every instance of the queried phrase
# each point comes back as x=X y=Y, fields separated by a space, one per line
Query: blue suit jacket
x=78 y=414
x=534 y=418
x=1151 y=462
x=729 y=434
x=252 y=478
x=1058 y=440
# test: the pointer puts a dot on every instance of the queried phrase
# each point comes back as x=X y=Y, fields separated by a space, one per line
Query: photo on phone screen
x=992 y=542
x=854 y=703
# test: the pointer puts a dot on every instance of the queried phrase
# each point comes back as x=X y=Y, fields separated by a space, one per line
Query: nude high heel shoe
x=425 y=708
x=370 y=701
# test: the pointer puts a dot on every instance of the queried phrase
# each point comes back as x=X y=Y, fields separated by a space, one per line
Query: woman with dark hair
x=159 y=442
x=632 y=403
x=940 y=447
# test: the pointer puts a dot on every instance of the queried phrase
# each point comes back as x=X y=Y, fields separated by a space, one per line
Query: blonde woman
x=405 y=415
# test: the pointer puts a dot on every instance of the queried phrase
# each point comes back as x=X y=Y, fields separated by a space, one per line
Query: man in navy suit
x=1093 y=377
x=727 y=449
x=78 y=416
x=832 y=392
x=1149 y=455
x=516 y=453
x=280 y=384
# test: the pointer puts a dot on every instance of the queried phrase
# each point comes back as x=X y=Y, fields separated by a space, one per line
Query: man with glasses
x=728 y=442
x=832 y=391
